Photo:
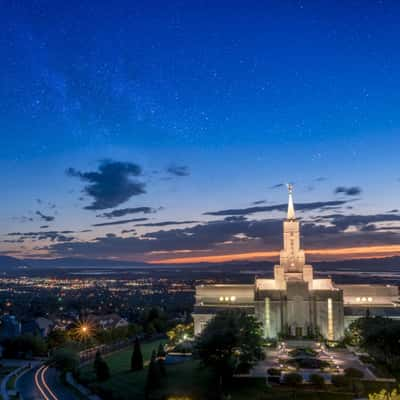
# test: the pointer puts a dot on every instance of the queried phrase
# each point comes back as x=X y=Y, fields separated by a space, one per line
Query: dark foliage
x=293 y=379
x=137 y=357
x=153 y=381
x=101 y=368
x=230 y=339
x=317 y=380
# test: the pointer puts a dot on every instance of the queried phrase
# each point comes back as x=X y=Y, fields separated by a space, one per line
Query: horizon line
x=368 y=252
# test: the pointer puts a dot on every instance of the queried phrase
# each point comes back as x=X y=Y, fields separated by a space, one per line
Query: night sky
x=142 y=130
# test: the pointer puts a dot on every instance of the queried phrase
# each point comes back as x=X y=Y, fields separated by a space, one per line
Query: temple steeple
x=290 y=212
x=292 y=264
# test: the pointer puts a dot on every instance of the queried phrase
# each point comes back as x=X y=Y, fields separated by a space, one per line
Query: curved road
x=43 y=383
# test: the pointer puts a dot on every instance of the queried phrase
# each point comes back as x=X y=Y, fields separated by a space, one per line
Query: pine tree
x=137 y=357
x=101 y=368
x=161 y=367
x=153 y=375
x=161 y=352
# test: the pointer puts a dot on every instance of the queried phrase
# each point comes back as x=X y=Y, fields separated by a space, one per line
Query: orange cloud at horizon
x=360 y=252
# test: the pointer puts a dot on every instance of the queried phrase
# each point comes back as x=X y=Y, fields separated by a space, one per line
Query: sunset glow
x=342 y=253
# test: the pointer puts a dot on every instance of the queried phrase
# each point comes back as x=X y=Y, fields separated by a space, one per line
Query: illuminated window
x=364 y=299
x=358 y=299
x=221 y=299
x=233 y=298
x=370 y=299
x=226 y=298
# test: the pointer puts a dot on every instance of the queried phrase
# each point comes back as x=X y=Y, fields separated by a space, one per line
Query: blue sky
x=243 y=95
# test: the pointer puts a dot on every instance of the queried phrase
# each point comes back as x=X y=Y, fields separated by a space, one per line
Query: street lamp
x=83 y=330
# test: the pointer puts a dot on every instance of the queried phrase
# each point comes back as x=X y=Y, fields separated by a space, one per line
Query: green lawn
x=125 y=384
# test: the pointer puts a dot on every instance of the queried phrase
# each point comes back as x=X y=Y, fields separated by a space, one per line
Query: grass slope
x=124 y=383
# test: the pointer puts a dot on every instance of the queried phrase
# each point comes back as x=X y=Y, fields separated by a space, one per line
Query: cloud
x=178 y=170
x=54 y=236
x=44 y=226
x=199 y=237
x=128 y=231
x=167 y=223
x=23 y=219
x=320 y=179
x=361 y=221
x=120 y=222
x=111 y=185
x=13 y=241
x=126 y=211
x=348 y=191
x=258 y=202
x=278 y=207
x=236 y=234
x=47 y=218
x=277 y=186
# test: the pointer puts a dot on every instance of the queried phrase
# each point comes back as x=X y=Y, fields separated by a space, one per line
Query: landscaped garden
x=225 y=352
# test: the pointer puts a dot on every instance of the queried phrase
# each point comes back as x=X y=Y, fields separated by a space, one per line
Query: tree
x=340 y=381
x=161 y=352
x=379 y=337
x=65 y=359
x=293 y=379
x=180 y=333
x=317 y=380
x=231 y=339
x=153 y=380
x=154 y=320
x=57 y=338
x=385 y=395
x=137 y=357
x=24 y=346
x=101 y=368
x=161 y=367
x=353 y=373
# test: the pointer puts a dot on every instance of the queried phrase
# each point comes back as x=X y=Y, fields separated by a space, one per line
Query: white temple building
x=293 y=303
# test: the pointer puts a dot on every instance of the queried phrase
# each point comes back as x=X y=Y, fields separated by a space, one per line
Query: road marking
x=52 y=394
x=38 y=384
x=41 y=384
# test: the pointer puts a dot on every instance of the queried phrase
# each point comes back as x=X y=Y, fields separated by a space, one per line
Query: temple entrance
x=299 y=331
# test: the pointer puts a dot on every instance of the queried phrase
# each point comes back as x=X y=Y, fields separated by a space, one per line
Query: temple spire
x=290 y=212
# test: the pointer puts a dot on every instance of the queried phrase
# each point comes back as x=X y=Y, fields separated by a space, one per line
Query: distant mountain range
x=8 y=264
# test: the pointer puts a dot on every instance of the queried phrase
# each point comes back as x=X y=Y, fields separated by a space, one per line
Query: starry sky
x=166 y=131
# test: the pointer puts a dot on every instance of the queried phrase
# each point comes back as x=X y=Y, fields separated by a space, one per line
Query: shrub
x=274 y=372
x=293 y=379
x=303 y=352
x=308 y=362
x=366 y=359
x=317 y=380
x=340 y=380
x=243 y=368
x=353 y=373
